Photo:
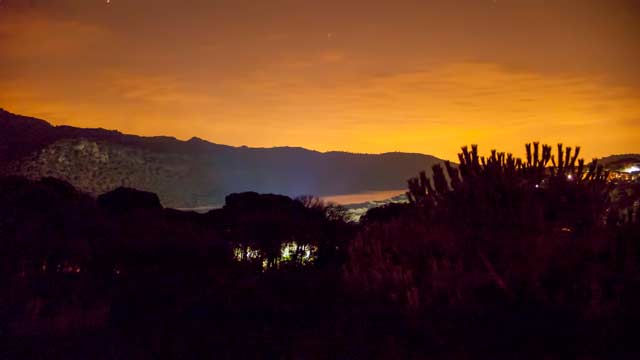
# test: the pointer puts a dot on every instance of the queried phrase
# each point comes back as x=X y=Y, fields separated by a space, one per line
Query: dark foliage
x=125 y=199
x=120 y=277
x=493 y=257
x=501 y=254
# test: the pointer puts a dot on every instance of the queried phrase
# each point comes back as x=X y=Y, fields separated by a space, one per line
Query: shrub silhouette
x=125 y=199
x=541 y=234
x=494 y=255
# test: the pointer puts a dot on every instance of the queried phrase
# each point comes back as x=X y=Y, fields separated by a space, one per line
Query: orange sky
x=362 y=76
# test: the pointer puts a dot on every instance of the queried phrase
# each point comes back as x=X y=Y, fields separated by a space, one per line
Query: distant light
x=632 y=168
x=569 y=177
x=537 y=186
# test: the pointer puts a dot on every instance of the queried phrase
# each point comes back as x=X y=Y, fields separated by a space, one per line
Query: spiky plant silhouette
x=496 y=222
x=503 y=189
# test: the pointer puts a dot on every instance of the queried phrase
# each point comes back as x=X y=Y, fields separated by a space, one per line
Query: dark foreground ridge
x=186 y=174
x=499 y=257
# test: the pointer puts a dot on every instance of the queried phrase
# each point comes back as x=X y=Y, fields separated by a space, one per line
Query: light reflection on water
x=342 y=199
x=363 y=196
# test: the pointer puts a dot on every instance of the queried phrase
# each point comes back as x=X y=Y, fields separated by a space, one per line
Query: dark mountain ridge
x=193 y=172
x=619 y=162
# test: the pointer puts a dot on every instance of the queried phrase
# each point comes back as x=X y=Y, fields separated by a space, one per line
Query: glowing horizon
x=366 y=77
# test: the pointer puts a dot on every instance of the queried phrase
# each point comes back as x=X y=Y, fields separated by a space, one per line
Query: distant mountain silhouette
x=618 y=162
x=194 y=172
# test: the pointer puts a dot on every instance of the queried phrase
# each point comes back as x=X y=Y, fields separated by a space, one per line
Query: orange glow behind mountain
x=360 y=76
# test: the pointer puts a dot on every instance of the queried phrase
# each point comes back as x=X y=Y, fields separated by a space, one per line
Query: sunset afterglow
x=360 y=76
x=328 y=179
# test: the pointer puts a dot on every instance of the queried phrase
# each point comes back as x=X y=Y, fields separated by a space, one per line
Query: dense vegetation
x=496 y=256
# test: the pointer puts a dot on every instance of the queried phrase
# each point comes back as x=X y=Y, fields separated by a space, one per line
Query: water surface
x=362 y=197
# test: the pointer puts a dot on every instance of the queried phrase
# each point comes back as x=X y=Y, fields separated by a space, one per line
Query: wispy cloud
x=155 y=89
x=329 y=75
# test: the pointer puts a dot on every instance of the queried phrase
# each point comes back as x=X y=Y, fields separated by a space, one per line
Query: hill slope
x=619 y=162
x=194 y=172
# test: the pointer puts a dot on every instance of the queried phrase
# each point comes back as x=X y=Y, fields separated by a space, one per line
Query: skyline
x=366 y=77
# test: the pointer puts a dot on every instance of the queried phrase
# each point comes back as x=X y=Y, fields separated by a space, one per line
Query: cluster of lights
x=631 y=169
x=307 y=253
